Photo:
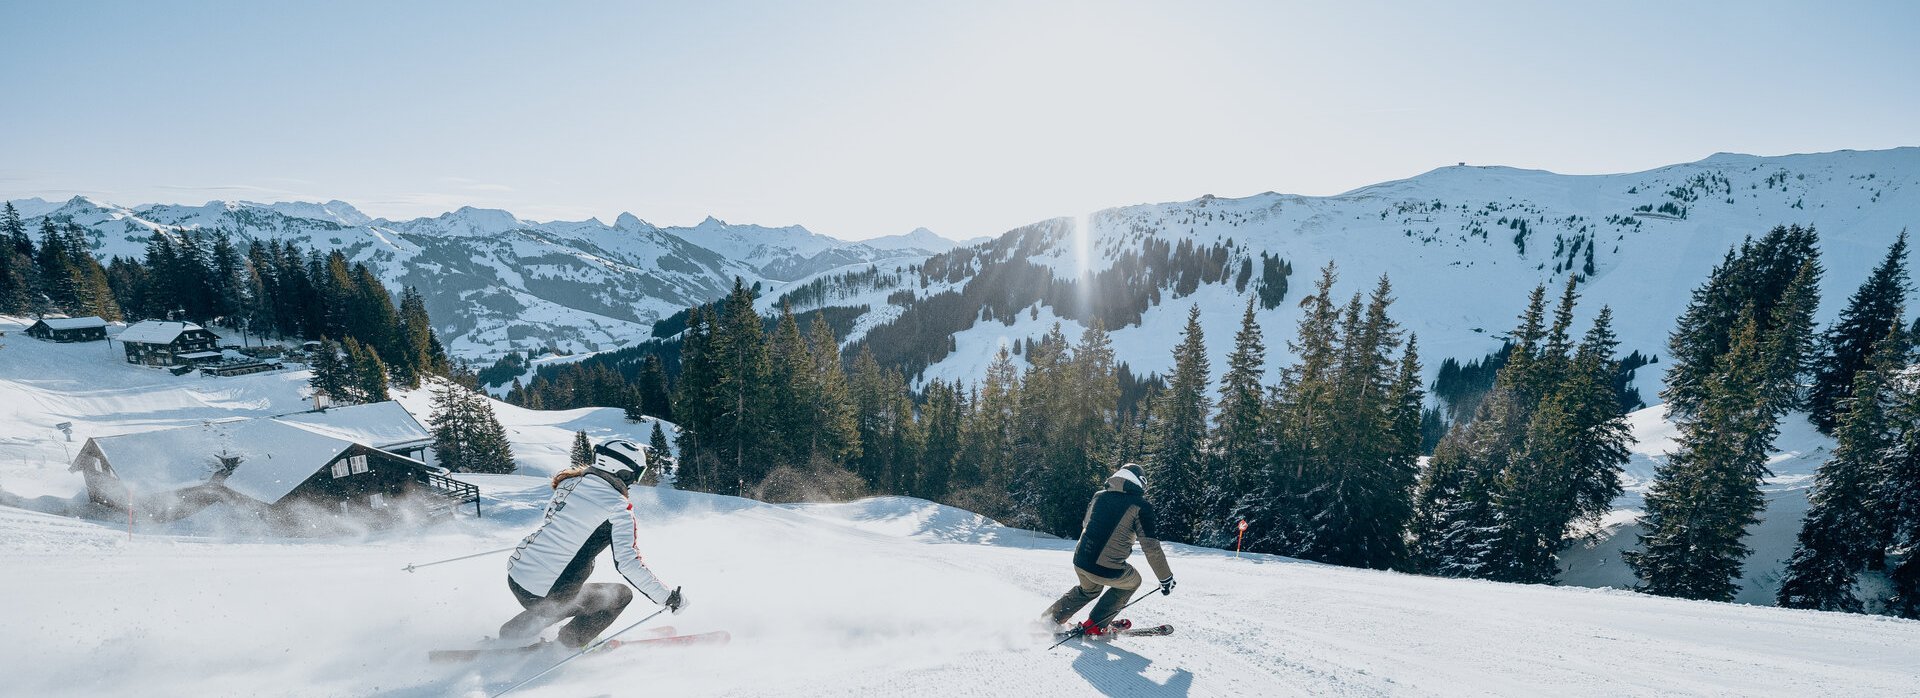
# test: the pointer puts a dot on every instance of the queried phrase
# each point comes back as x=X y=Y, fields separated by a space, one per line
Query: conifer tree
x=659 y=457
x=984 y=473
x=1360 y=496
x=1757 y=274
x=16 y=263
x=1568 y=470
x=696 y=403
x=1896 y=496
x=581 y=455
x=488 y=450
x=1872 y=310
x=1788 y=348
x=834 y=431
x=420 y=354
x=452 y=424
x=1068 y=406
x=257 y=313
x=332 y=375
x=739 y=430
x=15 y=232
x=55 y=271
x=1707 y=493
x=654 y=396
x=942 y=416
x=368 y=373
x=791 y=392
x=1842 y=532
x=226 y=281
x=1180 y=469
x=1303 y=417
x=1239 y=436
x=878 y=421
x=1457 y=523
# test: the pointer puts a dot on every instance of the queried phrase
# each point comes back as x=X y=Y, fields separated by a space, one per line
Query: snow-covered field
x=886 y=596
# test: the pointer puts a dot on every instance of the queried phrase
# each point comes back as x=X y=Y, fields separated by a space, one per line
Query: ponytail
x=568 y=474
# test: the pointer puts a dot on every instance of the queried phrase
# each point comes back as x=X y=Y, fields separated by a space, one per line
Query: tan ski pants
x=1118 y=591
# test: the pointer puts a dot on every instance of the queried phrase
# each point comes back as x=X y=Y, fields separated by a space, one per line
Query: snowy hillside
x=1462 y=244
x=495 y=282
x=880 y=596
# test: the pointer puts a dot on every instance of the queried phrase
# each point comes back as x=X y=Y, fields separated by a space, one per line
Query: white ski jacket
x=585 y=516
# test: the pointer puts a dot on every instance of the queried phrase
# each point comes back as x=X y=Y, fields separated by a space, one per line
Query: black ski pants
x=592 y=607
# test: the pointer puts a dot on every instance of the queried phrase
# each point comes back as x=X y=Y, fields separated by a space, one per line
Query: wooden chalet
x=69 y=329
x=166 y=343
x=383 y=425
x=292 y=474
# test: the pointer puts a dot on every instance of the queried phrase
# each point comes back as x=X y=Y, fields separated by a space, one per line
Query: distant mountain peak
x=628 y=221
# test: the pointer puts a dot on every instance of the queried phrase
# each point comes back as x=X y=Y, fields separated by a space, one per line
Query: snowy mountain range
x=1462 y=245
x=496 y=282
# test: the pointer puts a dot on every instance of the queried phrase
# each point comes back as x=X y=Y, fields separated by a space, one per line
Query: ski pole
x=1077 y=632
x=597 y=644
x=411 y=567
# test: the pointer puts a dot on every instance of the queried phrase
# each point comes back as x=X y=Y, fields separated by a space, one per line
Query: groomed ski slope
x=879 y=597
x=886 y=596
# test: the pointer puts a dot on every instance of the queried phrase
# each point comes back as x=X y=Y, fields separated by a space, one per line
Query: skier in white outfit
x=589 y=513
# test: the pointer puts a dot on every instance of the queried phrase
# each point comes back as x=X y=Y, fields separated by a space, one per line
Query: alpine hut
x=288 y=473
x=69 y=329
x=167 y=343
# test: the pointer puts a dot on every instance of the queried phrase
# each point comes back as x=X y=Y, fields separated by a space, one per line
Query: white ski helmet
x=620 y=458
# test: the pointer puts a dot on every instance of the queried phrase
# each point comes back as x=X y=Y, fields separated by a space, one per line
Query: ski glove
x=1166 y=586
x=675 y=602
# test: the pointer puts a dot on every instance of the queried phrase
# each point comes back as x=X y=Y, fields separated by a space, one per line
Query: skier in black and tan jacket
x=1118 y=516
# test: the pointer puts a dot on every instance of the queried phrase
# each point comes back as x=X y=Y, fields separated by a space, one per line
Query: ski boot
x=1094 y=631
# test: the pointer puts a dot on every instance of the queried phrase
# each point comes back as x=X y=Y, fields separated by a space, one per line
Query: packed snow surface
x=886 y=596
x=882 y=597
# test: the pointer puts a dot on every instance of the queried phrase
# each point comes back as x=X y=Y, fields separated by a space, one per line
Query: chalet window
x=377 y=499
x=358 y=463
x=340 y=469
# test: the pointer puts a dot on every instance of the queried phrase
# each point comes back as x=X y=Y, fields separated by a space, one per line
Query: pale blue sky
x=869 y=118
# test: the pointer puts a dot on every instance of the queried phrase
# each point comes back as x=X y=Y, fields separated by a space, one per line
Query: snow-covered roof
x=201 y=355
x=382 y=425
x=73 y=323
x=156 y=331
x=274 y=457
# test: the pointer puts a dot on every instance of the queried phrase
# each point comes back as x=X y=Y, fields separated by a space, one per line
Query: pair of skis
x=1154 y=631
x=657 y=637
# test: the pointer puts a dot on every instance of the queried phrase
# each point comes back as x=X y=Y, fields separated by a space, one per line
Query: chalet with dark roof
x=69 y=329
x=166 y=343
x=298 y=471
